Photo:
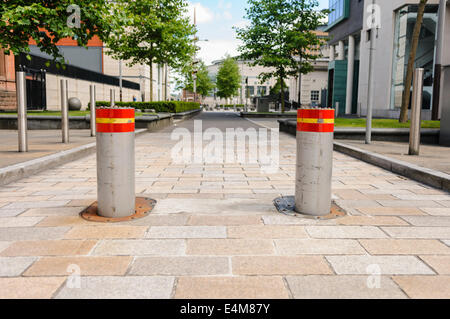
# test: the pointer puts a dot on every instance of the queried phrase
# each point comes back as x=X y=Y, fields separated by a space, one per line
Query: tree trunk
x=282 y=94
x=412 y=57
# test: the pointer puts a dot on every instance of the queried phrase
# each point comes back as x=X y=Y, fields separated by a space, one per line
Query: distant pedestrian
x=134 y=98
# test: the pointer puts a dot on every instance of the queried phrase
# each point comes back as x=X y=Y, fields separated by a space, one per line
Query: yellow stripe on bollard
x=316 y=121
x=114 y=121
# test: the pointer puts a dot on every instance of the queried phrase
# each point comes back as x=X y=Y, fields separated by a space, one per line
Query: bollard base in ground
x=144 y=207
x=286 y=205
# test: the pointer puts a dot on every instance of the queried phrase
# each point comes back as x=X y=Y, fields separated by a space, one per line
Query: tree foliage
x=280 y=32
x=204 y=82
x=276 y=89
x=228 y=79
x=151 y=31
x=25 y=19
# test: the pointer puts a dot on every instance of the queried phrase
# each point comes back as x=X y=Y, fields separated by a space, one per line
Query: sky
x=215 y=21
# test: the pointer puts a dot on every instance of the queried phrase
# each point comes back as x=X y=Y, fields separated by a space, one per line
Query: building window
x=315 y=96
x=404 y=25
x=262 y=90
x=339 y=11
x=249 y=91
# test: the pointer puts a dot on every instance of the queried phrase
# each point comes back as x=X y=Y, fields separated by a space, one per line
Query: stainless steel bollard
x=92 y=102
x=64 y=112
x=112 y=98
x=416 y=112
x=315 y=129
x=21 y=93
x=115 y=162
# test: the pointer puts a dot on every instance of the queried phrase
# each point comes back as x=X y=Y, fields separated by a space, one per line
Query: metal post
x=120 y=81
x=112 y=97
x=115 y=162
x=416 y=111
x=21 y=91
x=92 y=100
x=370 y=89
x=350 y=74
x=64 y=112
x=314 y=161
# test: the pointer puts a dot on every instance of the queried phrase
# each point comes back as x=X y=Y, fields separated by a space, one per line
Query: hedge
x=159 y=107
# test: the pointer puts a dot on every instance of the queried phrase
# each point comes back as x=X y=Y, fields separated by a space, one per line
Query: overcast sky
x=215 y=21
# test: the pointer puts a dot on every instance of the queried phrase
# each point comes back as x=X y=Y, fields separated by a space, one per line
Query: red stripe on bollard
x=115 y=113
x=115 y=128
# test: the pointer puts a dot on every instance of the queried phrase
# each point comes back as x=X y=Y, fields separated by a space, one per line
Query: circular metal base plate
x=143 y=207
x=286 y=205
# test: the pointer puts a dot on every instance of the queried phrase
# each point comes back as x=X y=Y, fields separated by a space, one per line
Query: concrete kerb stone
x=16 y=172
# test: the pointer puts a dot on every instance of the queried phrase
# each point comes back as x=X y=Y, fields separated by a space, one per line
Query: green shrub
x=159 y=107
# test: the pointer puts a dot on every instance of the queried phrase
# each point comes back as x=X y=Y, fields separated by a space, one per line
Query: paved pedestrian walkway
x=40 y=143
x=216 y=234
x=431 y=156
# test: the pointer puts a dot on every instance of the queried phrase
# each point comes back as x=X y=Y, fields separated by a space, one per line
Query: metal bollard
x=21 y=93
x=112 y=98
x=315 y=130
x=115 y=162
x=416 y=112
x=64 y=112
x=92 y=100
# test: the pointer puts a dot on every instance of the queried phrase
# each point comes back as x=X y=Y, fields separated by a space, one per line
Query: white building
x=312 y=83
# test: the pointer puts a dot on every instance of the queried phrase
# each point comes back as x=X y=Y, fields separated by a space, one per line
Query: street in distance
x=226 y=309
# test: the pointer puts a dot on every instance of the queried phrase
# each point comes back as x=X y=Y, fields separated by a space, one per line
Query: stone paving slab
x=128 y=287
x=29 y=288
x=342 y=287
x=440 y=264
x=404 y=247
x=49 y=248
x=32 y=233
x=418 y=232
x=383 y=265
x=229 y=247
x=280 y=265
x=187 y=232
x=14 y=266
x=180 y=266
x=87 y=266
x=425 y=287
x=318 y=247
x=247 y=287
x=140 y=247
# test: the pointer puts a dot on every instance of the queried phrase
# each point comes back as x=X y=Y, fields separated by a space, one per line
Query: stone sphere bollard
x=74 y=104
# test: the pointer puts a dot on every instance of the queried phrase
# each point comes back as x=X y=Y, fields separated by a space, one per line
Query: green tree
x=25 y=19
x=228 y=79
x=152 y=31
x=276 y=89
x=411 y=60
x=280 y=32
x=204 y=83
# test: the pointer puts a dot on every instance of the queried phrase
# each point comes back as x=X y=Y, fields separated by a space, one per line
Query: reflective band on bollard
x=315 y=130
x=115 y=162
